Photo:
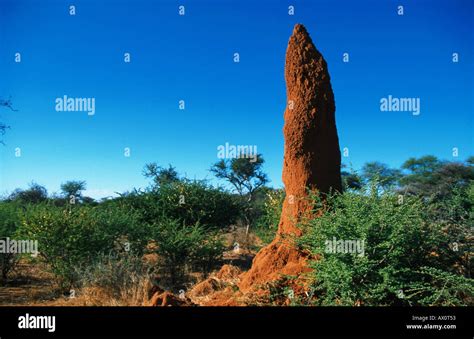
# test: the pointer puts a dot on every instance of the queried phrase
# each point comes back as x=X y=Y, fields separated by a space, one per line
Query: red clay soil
x=168 y=299
x=312 y=159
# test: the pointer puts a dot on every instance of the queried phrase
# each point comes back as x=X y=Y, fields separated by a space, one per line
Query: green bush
x=440 y=288
x=267 y=224
x=9 y=221
x=73 y=237
x=188 y=201
x=208 y=253
x=454 y=215
x=180 y=245
x=403 y=253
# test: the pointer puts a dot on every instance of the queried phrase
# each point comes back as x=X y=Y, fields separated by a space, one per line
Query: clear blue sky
x=191 y=58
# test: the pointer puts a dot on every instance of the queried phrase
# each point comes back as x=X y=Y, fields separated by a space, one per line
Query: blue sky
x=190 y=58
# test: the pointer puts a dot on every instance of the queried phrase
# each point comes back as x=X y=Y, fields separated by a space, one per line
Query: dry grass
x=131 y=295
x=29 y=284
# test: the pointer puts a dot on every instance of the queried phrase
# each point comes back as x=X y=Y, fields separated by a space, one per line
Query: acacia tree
x=350 y=179
x=246 y=177
x=419 y=174
x=72 y=189
x=385 y=176
x=430 y=177
x=159 y=175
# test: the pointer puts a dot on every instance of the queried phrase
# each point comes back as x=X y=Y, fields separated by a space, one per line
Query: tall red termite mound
x=312 y=157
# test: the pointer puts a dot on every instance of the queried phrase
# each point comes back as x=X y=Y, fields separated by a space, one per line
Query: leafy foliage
x=385 y=176
x=440 y=288
x=9 y=222
x=247 y=178
x=350 y=179
x=72 y=237
x=244 y=174
x=405 y=249
x=189 y=201
x=73 y=188
x=160 y=176
x=179 y=245
x=33 y=195
x=267 y=223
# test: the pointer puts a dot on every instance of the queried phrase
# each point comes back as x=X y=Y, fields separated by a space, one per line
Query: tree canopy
x=244 y=174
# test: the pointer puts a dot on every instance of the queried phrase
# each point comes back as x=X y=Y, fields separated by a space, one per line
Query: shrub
x=401 y=255
x=208 y=253
x=267 y=223
x=33 y=195
x=9 y=222
x=454 y=215
x=441 y=288
x=189 y=201
x=180 y=245
x=73 y=237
